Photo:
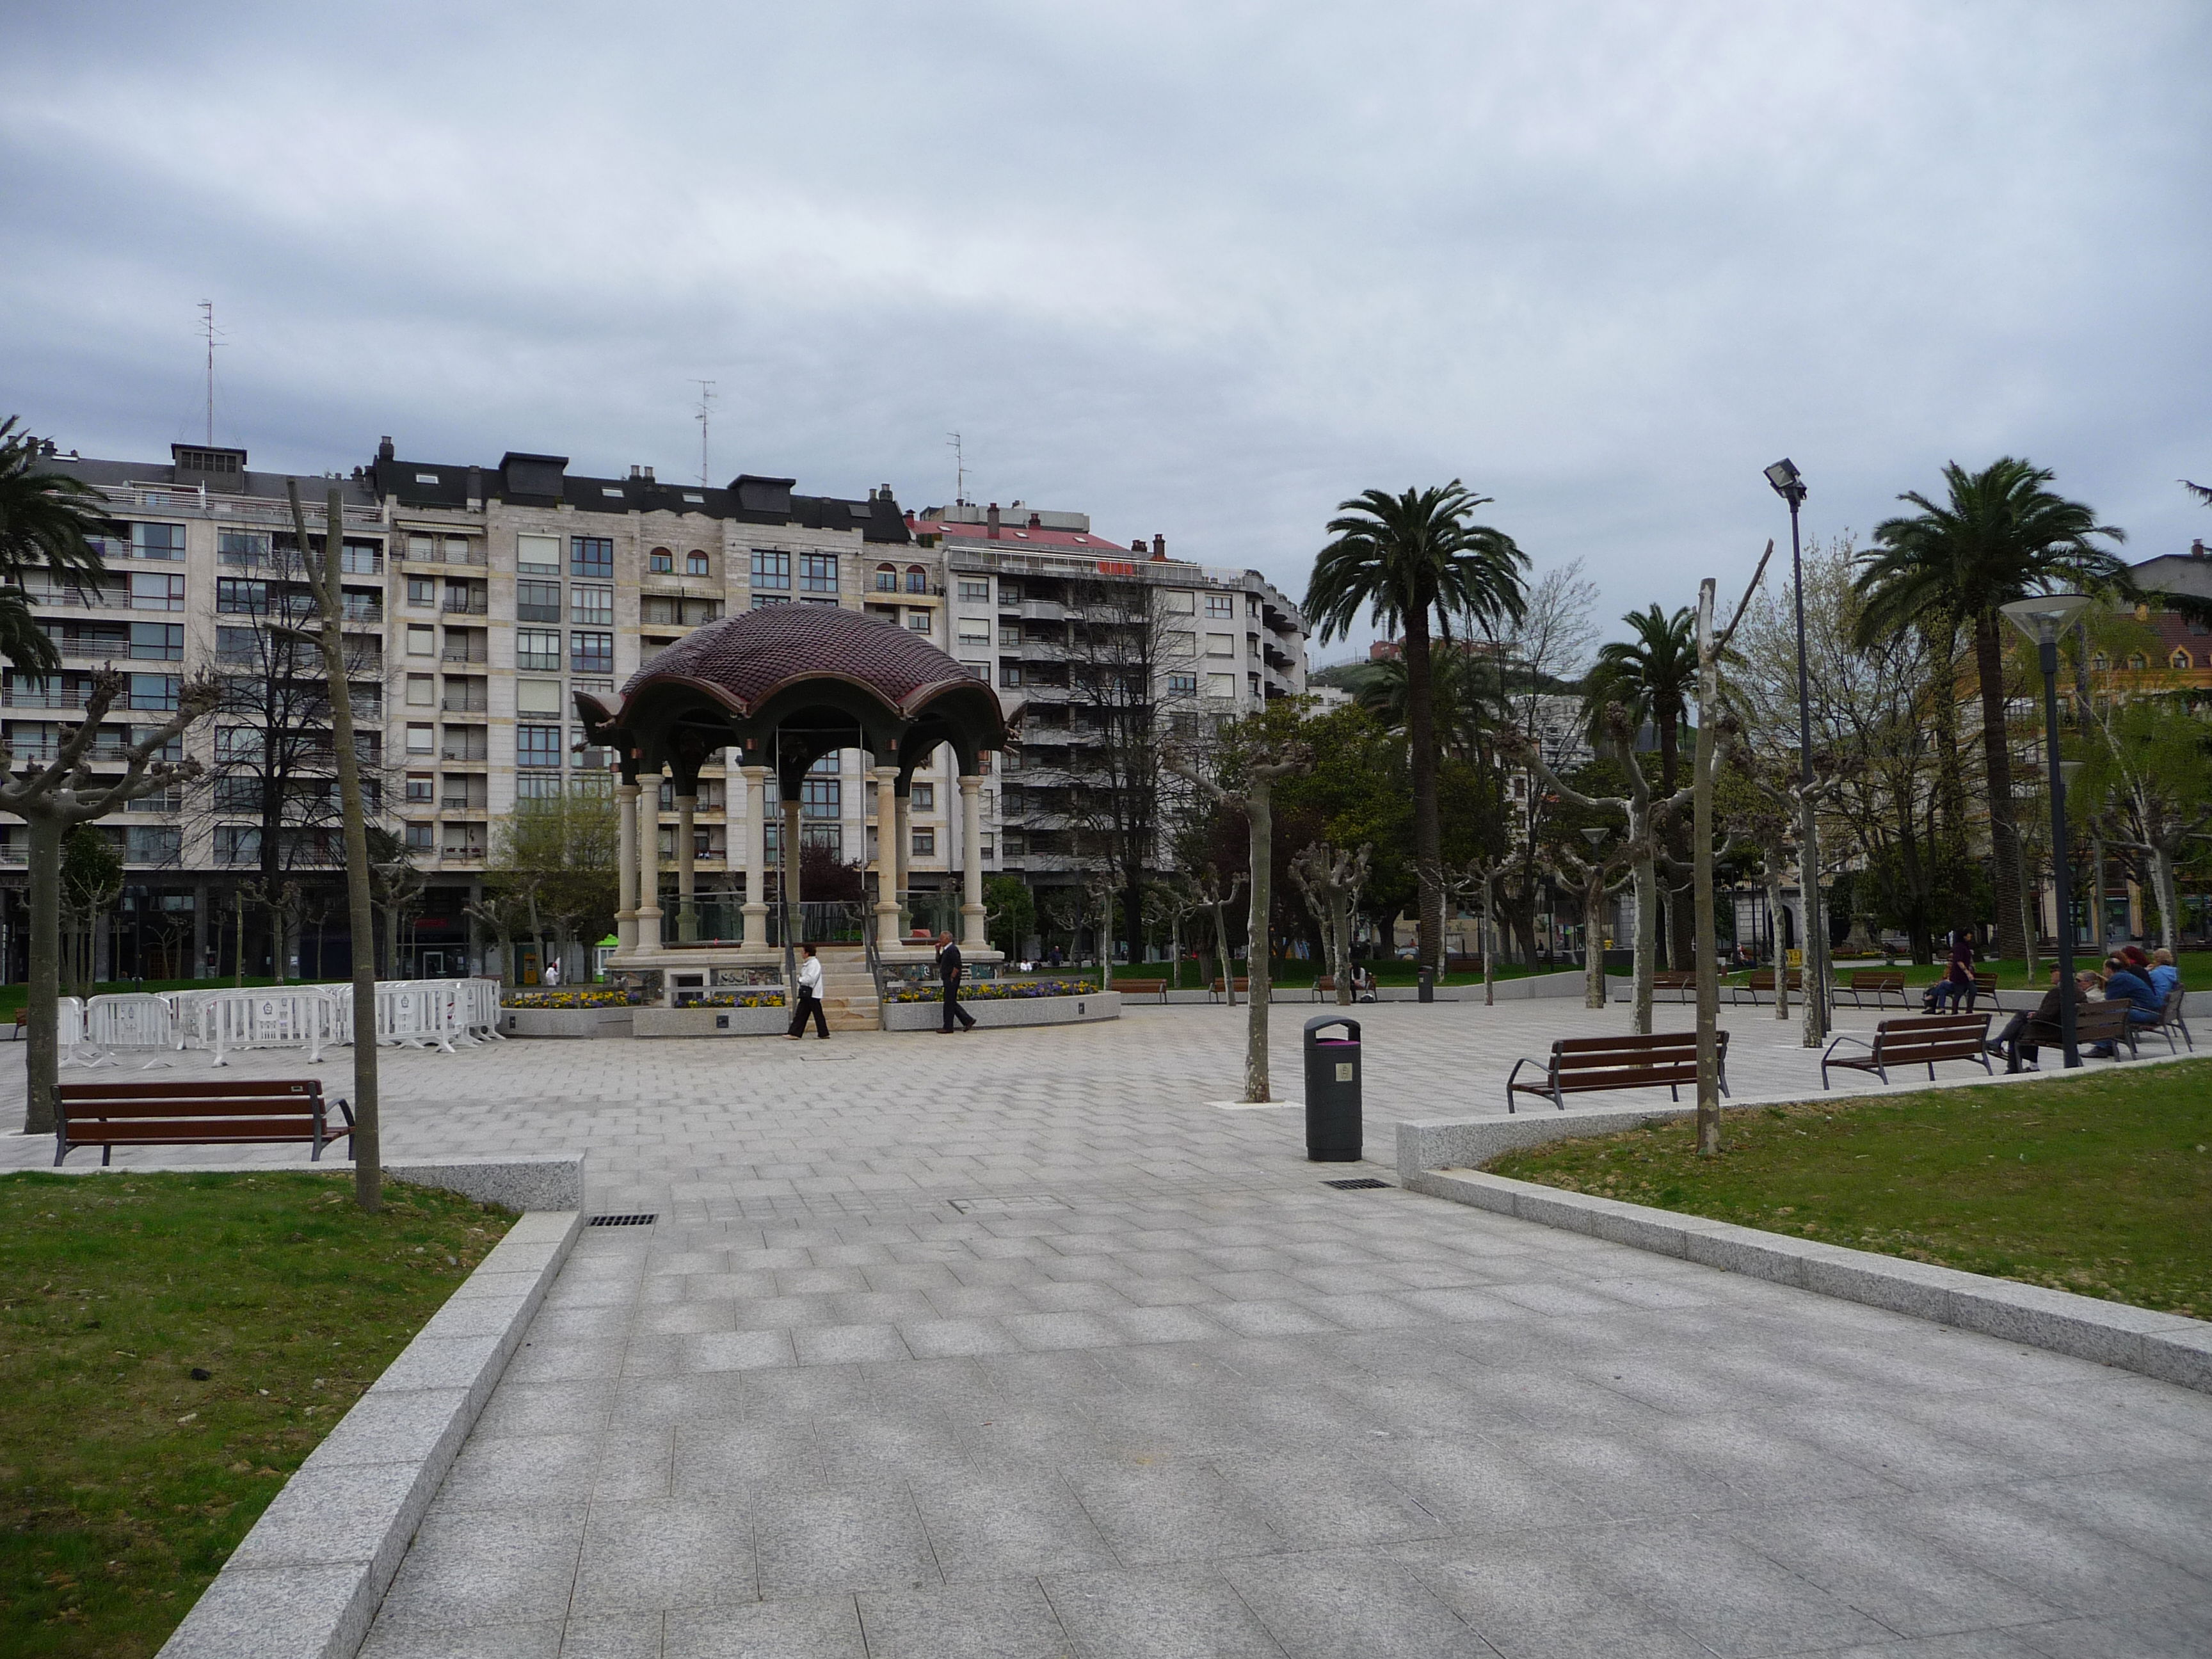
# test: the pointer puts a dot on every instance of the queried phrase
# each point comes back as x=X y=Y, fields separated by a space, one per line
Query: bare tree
x=1331 y=878
x=1256 y=760
x=54 y=798
x=1594 y=877
x=1215 y=897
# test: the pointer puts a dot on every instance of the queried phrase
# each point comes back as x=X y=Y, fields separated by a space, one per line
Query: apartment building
x=1026 y=587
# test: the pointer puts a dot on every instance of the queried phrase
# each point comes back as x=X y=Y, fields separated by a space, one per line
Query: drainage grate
x=624 y=1220
x=1363 y=1184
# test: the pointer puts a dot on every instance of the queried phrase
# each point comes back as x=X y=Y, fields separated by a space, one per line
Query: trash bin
x=1331 y=1091
x=1427 y=991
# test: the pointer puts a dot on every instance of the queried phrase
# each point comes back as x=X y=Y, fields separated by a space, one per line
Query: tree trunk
x=1340 y=915
x=1774 y=914
x=1997 y=759
x=1260 y=818
x=2097 y=925
x=1593 y=941
x=41 y=1051
x=1647 y=925
x=2161 y=875
x=1227 y=974
x=1428 y=837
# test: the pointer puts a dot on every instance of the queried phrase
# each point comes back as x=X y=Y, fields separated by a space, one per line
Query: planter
x=566 y=1022
x=1008 y=1012
x=708 y=1022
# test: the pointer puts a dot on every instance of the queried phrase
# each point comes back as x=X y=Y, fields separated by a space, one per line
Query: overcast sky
x=1201 y=270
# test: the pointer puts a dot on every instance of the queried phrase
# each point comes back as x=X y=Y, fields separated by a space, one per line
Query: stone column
x=756 y=906
x=972 y=937
x=626 y=911
x=687 y=913
x=887 y=817
x=648 y=860
x=791 y=858
x=902 y=860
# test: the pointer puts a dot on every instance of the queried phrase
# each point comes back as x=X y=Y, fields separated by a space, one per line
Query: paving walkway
x=1009 y=1345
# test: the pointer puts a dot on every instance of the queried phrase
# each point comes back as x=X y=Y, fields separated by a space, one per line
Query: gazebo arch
x=782 y=687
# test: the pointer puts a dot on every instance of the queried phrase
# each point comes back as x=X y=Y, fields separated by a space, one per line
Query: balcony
x=464 y=604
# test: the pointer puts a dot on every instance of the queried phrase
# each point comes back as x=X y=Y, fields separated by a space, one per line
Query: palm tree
x=2002 y=536
x=47 y=521
x=1411 y=561
x=1652 y=675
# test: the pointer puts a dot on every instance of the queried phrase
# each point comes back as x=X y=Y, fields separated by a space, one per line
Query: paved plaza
x=1011 y=1345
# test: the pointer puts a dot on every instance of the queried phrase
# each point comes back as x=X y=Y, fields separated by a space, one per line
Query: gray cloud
x=1203 y=271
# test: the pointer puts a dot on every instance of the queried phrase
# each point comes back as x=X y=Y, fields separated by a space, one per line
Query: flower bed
x=999 y=990
x=584 y=996
x=772 y=997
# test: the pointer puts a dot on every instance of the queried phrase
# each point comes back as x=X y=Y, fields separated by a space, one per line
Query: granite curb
x=306 y=1580
x=2167 y=1346
x=552 y=1181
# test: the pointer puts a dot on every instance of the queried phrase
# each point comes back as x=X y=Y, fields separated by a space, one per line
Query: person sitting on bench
x=2163 y=974
x=2124 y=984
x=2019 y=1041
x=1957 y=982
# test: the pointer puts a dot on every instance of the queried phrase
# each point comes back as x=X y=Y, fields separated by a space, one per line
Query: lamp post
x=1790 y=484
x=2043 y=618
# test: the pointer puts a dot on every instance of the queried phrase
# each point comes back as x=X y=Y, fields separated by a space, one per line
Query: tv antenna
x=208 y=328
x=959 y=470
x=702 y=414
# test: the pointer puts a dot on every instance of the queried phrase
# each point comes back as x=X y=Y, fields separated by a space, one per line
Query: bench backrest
x=1242 y=985
x=1762 y=979
x=1141 y=985
x=1931 y=1036
x=1674 y=979
x=1863 y=981
x=1629 y=1060
x=2100 y=1021
x=245 y=1098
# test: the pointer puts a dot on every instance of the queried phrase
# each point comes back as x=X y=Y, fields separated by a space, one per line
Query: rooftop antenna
x=208 y=328
x=702 y=416
x=959 y=470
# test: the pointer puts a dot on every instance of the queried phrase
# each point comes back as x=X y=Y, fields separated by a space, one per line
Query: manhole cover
x=1361 y=1185
x=624 y=1220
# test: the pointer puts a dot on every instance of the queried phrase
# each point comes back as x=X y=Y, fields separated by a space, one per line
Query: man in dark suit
x=948 y=970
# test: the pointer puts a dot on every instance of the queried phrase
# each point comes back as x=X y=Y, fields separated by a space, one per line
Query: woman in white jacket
x=810 y=999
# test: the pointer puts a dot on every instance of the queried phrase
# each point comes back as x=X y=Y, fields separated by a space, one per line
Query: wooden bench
x=1579 y=1065
x=1141 y=988
x=1877 y=983
x=1762 y=979
x=2095 y=1023
x=1985 y=988
x=2169 y=1021
x=240 y=1112
x=1242 y=986
x=1918 y=1039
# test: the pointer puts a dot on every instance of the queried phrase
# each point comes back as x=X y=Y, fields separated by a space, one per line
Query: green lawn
x=1290 y=975
x=2099 y=1184
x=12 y=997
x=175 y=1346
x=2012 y=973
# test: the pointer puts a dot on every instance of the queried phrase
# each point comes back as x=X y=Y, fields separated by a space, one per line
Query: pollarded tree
x=2000 y=536
x=52 y=800
x=1414 y=563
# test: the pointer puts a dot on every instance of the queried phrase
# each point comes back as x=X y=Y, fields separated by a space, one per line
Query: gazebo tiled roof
x=749 y=657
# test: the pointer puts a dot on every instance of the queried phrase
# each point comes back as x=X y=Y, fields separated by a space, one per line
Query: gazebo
x=781 y=687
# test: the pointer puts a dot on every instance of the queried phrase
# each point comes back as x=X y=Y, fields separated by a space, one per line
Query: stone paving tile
x=1157 y=1392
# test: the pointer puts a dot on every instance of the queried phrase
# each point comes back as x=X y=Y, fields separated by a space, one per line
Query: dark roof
x=109 y=475
x=747 y=499
x=2184 y=574
x=750 y=656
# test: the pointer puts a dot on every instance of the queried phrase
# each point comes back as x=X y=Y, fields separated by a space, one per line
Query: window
x=537 y=556
x=1182 y=685
x=972 y=632
x=1016 y=844
x=421 y=642
x=156 y=592
x=1221 y=685
x=1220 y=645
x=538 y=649
x=418 y=787
x=240 y=596
x=157 y=541
x=917 y=622
x=1181 y=602
x=538 y=697
x=152 y=843
x=419 y=837
x=817 y=573
x=917 y=579
x=536 y=746
x=696 y=563
x=761 y=601
x=1221 y=604
x=925 y=844
x=591 y=652
x=821 y=797
x=976 y=593
x=925 y=797
x=237 y=844
x=660 y=563
x=2180 y=660
x=421 y=690
x=771 y=568
x=537 y=785
x=533 y=601
x=1012 y=758
x=592 y=605
x=1180 y=644
x=421 y=739
x=887 y=579
x=1010 y=673
x=1010 y=633
x=592 y=556
x=423 y=592
x=366 y=558
x=158 y=641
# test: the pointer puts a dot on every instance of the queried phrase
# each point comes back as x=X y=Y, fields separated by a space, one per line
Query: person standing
x=552 y=976
x=948 y=972
x=810 y=999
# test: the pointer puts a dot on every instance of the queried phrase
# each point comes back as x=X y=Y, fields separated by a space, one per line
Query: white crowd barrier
x=131 y=1020
x=413 y=1013
x=74 y=1043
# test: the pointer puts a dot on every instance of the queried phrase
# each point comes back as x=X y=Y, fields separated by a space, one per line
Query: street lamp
x=2043 y=618
x=1790 y=484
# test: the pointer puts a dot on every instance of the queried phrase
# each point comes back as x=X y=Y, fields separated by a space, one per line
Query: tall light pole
x=1790 y=484
x=2042 y=619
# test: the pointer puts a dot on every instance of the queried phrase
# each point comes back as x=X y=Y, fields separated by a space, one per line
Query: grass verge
x=175 y=1346
x=2100 y=1185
